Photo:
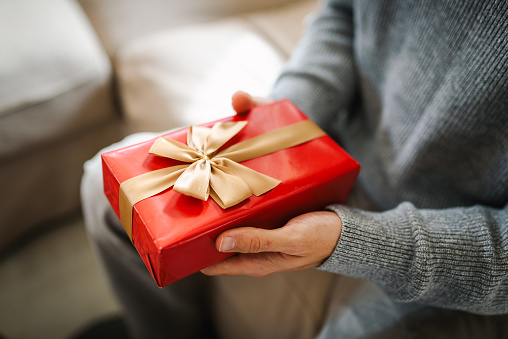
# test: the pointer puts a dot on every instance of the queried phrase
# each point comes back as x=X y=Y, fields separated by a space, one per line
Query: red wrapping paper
x=175 y=234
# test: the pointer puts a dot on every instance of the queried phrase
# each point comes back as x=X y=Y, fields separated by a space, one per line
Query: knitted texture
x=417 y=92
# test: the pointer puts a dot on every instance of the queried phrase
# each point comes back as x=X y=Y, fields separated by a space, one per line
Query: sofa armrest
x=56 y=110
x=48 y=51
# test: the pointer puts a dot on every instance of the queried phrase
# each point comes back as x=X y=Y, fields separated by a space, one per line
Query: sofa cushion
x=48 y=51
x=187 y=75
x=119 y=22
x=283 y=25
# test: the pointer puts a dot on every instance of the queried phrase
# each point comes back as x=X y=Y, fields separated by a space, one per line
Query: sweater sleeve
x=320 y=76
x=454 y=258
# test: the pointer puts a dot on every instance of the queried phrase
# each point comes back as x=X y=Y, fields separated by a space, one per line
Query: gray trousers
x=302 y=304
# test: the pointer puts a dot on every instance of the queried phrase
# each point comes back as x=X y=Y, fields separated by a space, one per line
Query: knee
x=94 y=203
x=92 y=184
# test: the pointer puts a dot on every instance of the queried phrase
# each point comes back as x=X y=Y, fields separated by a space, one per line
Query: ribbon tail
x=231 y=183
x=258 y=183
x=144 y=186
x=227 y=188
x=217 y=199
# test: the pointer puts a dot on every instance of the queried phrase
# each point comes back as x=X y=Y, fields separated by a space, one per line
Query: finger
x=242 y=102
x=254 y=240
x=256 y=265
x=243 y=264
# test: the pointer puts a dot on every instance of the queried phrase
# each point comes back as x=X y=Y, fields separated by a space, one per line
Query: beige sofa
x=76 y=76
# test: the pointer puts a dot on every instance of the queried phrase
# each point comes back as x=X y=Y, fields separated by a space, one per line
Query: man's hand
x=242 y=102
x=305 y=241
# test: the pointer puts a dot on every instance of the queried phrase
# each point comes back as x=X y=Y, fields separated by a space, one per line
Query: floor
x=52 y=286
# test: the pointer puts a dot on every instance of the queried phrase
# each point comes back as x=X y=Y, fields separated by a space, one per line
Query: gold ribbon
x=209 y=172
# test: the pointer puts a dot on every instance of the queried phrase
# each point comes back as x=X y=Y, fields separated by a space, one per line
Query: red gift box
x=175 y=234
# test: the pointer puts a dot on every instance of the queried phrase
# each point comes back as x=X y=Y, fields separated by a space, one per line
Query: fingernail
x=227 y=244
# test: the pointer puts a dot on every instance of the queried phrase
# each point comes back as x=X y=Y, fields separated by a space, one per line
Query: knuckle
x=256 y=243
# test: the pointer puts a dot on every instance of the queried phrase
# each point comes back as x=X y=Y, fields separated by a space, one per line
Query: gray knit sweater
x=417 y=92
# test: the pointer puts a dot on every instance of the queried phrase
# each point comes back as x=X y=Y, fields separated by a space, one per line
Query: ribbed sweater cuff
x=372 y=246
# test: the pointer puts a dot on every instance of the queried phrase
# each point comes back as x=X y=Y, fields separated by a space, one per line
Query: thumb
x=251 y=240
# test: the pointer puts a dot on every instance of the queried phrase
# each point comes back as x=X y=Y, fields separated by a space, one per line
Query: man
x=417 y=92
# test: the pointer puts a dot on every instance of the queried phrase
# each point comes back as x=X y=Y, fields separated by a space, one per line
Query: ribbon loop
x=170 y=148
x=222 y=181
x=209 y=140
x=222 y=133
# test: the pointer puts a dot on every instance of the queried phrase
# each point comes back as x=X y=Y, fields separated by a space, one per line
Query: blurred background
x=76 y=76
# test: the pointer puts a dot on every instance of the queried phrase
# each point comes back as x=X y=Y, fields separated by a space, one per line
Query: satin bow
x=212 y=173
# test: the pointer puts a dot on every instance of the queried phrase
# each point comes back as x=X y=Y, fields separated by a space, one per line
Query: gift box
x=259 y=169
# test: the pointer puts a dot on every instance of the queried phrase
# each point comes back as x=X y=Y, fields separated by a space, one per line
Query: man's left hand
x=305 y=241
